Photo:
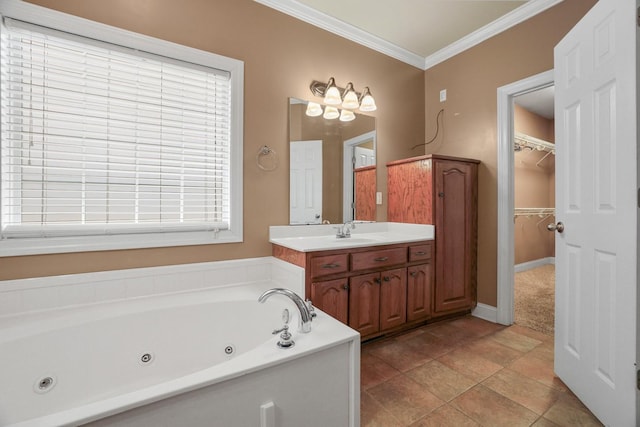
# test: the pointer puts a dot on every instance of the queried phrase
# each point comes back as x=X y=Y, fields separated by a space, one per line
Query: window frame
x=82 y=27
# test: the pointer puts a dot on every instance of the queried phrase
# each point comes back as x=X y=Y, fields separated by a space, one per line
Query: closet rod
x=531 y=142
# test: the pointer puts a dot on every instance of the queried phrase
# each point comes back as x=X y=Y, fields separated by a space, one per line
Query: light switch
x=443 y=95
x=379 y=198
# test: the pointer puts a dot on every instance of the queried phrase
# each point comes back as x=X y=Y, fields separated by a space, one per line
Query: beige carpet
x=534 y=298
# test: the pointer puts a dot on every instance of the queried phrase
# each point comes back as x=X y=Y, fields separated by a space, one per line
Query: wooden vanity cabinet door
x=393 y=298
x=332 y=297
x=364 y=303
x=456 y=197
x=419 y=291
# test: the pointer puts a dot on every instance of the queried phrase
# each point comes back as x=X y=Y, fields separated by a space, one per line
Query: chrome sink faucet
x=344 y=230
x=306 y=315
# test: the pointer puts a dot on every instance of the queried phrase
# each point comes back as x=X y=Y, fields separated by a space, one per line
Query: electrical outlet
x=443 y=95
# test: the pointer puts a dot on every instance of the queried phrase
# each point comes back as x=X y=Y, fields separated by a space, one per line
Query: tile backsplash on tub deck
x=45 y=293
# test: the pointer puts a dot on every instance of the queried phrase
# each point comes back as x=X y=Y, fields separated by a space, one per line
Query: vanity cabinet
x=378 y=301
x=332 y=297
x=371 y=289
x=442 y=191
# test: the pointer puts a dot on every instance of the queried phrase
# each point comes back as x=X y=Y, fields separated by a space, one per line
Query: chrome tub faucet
x=306 y=314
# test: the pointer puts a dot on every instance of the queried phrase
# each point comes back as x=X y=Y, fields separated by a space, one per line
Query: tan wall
x=282 y=55
x=470 y=122
x=534 y=176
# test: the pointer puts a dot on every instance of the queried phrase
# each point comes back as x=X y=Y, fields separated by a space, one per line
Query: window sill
x=51 y=245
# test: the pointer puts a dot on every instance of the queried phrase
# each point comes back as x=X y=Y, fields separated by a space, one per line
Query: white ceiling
x=419 y=32
x=539 y=102
x=419 y=26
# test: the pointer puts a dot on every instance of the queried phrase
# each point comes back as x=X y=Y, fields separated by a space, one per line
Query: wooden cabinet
x=419 y=291
x=365 y=193
x=333 y=297
x=442 y=191
x=364 y=303
x=370 y=288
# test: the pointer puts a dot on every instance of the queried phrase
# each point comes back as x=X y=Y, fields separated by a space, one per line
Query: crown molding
x=511 y=19
x=340 y=28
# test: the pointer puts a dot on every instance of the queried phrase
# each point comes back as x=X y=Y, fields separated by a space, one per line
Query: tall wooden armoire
x=442 y=191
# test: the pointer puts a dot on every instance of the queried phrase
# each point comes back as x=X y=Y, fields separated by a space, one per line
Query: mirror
x=325 y=184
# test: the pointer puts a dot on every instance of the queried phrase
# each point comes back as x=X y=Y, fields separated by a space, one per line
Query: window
x=113 y=145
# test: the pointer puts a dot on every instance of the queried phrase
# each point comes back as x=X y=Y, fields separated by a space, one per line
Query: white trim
x=524 y=266
x=342 y=29
x=485 y=312
x=511 y=19
x=63 y=22
x=505 y=253
x=350 y=32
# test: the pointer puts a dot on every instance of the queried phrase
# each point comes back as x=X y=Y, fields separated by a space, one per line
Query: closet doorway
x=504 y=311
x=534 y=202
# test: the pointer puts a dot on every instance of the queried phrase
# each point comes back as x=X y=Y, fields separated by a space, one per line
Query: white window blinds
x=100 y=139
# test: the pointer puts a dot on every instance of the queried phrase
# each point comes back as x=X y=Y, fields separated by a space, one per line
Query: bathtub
x=204 y=357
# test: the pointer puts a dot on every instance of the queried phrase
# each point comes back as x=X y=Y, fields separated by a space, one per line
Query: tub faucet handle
x=286 y=340
x=312 y=310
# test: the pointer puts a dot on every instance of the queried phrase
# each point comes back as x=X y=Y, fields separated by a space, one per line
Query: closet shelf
x=522 y=141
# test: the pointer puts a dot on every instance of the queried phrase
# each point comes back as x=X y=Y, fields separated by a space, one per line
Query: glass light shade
x=347 y=115
x=331 y=113
x=313 y=109
x=332 y=93
x=350 y=100
x=367 y=103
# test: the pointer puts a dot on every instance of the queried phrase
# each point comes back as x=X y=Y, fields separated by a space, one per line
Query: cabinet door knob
x=377 y=280
x=413 y=273
x=386 y=278
x=345 y=287
x=441 y=194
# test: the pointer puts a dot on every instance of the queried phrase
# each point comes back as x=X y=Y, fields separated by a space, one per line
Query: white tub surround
x=183 y=345
x=310 y=238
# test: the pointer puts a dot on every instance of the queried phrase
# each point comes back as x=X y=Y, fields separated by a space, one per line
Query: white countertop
x=308 y=238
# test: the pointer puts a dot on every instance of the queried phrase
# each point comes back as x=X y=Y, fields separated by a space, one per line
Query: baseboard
x=485 y=312
x=533 y=264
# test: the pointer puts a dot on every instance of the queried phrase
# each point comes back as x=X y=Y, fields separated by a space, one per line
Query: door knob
x=559 y=227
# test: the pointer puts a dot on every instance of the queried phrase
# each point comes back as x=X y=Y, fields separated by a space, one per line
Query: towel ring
x=267 y=158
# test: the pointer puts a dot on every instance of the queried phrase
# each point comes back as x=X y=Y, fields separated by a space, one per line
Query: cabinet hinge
x=638 y=380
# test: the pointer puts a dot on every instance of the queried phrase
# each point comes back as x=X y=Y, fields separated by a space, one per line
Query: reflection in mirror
x=332 y=168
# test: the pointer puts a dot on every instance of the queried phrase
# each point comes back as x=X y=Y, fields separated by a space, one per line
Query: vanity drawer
x=329 y=264
x=378 y=258
x=420 y=252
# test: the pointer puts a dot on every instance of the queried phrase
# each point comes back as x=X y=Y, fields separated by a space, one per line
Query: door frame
x=347 y=171
x=505 y=252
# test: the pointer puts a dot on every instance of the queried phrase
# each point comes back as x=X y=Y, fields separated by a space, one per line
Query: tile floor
x=466 y=372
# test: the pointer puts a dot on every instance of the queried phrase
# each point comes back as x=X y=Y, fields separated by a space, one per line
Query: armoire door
x=455 y=195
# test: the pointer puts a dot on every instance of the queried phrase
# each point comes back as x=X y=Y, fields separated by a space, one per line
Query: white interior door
x=305 y=182
x=596 y=254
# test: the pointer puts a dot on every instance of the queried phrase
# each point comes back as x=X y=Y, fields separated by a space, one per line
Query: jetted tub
x=199 y=358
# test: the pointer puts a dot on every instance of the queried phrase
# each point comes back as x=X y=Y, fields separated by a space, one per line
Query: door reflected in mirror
x=332 y=168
